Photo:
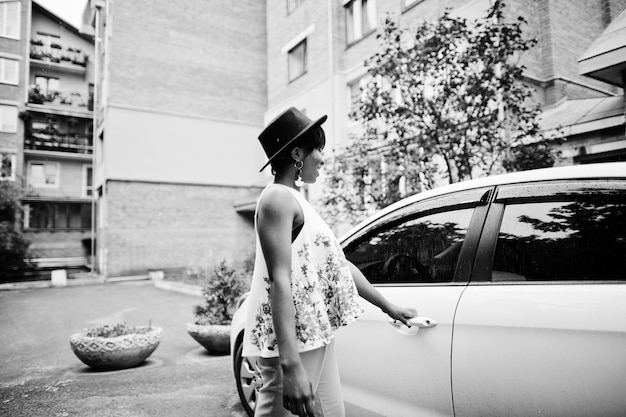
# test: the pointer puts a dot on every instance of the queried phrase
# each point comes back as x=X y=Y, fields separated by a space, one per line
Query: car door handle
x=416 y=324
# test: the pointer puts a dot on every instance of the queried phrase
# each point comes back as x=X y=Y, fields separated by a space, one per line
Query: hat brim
x=307 y=129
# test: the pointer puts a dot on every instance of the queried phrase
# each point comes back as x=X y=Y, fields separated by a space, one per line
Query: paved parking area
x=40 y=376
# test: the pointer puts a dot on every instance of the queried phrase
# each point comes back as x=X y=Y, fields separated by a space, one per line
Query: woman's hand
x=298 y=395
x=402 y=314
x=371 y=294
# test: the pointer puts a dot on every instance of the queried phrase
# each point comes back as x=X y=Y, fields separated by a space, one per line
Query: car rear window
x=562 y=241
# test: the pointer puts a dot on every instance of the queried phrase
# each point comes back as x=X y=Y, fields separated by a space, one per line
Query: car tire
x=248 y=380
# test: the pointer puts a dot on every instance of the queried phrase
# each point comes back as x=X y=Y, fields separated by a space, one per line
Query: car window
x=561 y=241
x=416 y=250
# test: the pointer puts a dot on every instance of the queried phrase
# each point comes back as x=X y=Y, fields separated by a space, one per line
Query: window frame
x=360 y=83
x=47 y=89
x=4 y=61
x=18 y=21
x=292 y=5
x=357 y=14
x=83 y=208
x=48 y=38
x=11 y=126
x=57 y=180
x=87 y=188
x=474 y=198
x=535 y=192
x=291 y=53
x=13 y=160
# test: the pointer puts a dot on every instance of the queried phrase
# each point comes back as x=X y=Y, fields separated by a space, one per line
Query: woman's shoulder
x=277 y=197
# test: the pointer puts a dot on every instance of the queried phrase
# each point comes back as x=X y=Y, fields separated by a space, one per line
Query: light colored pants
x=321 y=365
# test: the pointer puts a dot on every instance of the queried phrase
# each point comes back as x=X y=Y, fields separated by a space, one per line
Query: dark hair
x=315 y=139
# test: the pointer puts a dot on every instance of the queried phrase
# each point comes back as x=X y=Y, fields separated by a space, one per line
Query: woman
x=303 y=288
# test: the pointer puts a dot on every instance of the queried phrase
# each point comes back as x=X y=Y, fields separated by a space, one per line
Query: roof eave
x=607 y=66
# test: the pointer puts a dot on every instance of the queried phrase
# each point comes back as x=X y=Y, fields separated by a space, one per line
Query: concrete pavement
x=40 y=376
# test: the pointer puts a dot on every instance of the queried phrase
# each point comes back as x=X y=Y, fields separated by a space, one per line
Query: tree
x=445 y=102
x=13 y=245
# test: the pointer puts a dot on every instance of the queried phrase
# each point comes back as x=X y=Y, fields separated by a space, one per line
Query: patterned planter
x=112 y=353
x=214 y=337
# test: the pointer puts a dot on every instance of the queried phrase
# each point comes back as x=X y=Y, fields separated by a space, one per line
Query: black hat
x=284 y=130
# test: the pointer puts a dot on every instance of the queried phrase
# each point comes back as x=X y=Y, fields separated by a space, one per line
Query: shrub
x=13 y=245
x=119 y=329
x=221 y=291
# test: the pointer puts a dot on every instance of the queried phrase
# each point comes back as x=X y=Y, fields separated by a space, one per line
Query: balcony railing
x=41 y=140
x=60 y=99
x=57 y=54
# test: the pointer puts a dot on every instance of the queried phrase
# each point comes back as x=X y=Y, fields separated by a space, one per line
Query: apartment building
x=180 y=100
x=58 y=140
x=13 y=41
x=184 y=88
x=46 y=129
x=316 y=54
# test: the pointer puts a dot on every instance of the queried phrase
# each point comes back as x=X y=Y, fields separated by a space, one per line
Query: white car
x=520 y=285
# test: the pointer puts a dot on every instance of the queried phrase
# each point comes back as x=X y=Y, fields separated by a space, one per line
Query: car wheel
x=248 y=379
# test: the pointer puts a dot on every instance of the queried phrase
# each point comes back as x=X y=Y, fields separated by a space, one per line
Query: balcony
x=48 y=140
x=69 y=101
x=56 y=56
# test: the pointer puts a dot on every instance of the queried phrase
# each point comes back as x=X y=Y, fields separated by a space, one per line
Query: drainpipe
x=331 y=67
x=94 y=134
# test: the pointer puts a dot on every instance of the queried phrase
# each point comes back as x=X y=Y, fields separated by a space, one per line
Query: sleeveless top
x=325 y=296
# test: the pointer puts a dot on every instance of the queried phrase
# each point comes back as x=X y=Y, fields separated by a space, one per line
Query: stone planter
x=112 y=353
x=213 y=337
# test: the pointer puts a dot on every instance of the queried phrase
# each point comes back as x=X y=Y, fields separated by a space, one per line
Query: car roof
x=570 y=172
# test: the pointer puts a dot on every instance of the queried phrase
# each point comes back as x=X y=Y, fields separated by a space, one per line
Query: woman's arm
x=372 y=295
x=275 y=222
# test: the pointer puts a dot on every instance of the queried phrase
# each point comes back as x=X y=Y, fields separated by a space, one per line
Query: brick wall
x=167 y=226
x=11 y=143
x=192 y=57
x=565 y=33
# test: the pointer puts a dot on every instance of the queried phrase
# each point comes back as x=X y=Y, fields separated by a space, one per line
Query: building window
x=10 y=19
x=360 y=19
x=8 y=119
x=57 y=216
x=90 y=93
x=47 y=85
x=356 y=90
x=293 y=5
x=297 y=60
x=7 y=167
x=87 y=181
x=44 y=174
x=9 y=68
x=99 y=148
x=48 y=40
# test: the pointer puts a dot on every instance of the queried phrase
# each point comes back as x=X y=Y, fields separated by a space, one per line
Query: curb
x=193 y=290
x=27 y=285
x=188 y=289
x=71 y=282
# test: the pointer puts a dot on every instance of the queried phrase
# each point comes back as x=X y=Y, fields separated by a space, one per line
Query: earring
x=299 y=165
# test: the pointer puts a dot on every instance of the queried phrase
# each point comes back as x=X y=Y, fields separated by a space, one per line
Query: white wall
x=148 y=146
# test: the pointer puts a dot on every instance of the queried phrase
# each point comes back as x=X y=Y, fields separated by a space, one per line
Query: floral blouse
x=325 y=296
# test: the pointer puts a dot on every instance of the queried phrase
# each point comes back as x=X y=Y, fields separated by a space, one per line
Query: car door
x=541 y=328
x=417 y=257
